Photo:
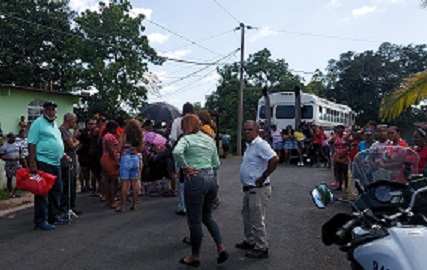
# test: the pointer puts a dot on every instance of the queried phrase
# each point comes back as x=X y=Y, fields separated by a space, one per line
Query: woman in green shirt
x=196 y=153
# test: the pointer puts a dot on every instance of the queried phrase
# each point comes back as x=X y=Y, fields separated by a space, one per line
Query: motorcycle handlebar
x=343 y=232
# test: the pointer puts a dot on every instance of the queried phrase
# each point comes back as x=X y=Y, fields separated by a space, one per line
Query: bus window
x=307 y=112
x=320 y=113
x=285 y=112
x=262 y=112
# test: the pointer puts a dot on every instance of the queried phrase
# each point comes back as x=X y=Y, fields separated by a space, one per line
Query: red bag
x=38 y=184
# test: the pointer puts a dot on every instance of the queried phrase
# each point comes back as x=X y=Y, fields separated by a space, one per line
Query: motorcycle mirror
x=322 y=196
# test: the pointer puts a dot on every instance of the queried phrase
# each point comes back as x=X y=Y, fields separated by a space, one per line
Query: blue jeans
x=200 y=193
x=129 y=166
x=46 y=208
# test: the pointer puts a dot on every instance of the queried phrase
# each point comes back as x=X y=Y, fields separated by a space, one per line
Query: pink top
x=110 y=137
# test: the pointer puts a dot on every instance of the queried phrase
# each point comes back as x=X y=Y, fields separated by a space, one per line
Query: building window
x=35 y=109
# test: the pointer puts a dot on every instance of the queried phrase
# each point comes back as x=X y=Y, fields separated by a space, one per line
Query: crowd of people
x=111 y=158
x=336 y=148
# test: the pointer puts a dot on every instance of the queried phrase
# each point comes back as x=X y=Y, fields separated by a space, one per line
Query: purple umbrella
x=155 y=139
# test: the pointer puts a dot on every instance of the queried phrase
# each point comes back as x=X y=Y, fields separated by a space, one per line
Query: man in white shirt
x=259 y=161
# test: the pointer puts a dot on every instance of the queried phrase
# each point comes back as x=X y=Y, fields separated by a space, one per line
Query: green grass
x=4 y=193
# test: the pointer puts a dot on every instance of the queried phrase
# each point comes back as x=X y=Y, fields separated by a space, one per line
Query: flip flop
x=186 y=240
x=195 y=263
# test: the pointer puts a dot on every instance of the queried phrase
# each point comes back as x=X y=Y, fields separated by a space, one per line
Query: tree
x=261 y=71
x=411 y=91
x=115 y=55
x=35 y=44
x=362 y=80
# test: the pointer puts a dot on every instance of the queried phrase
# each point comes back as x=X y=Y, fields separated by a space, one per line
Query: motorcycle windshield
x=385 y=163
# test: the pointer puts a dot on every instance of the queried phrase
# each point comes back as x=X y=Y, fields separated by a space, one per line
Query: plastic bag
x=38 y=184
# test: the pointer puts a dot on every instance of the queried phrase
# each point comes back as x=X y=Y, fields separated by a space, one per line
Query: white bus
x=313 y=109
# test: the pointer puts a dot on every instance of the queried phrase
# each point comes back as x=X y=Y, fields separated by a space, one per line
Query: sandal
x=186 y=240
x=185 y=260
x=216 y=203
x=114 y=205
x=222 y=257
x=119 y=210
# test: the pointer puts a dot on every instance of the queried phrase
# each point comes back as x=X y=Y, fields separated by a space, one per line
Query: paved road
x=150 y=238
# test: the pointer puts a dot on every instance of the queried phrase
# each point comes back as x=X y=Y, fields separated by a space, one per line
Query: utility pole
x=240 y=106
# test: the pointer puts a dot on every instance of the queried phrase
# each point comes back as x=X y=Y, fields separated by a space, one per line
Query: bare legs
x=124 y=193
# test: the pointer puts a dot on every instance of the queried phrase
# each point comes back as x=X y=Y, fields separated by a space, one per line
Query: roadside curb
x=15 y=209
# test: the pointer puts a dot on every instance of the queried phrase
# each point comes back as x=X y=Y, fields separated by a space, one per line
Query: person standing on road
x=69 y=166
x=131 y=143
x=197 y=155
x=259 y=162
x=176 y=133
x=46 y=150
x=11 y=153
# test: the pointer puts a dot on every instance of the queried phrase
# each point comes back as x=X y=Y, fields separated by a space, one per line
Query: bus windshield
x=285 y=112
x=288 y=112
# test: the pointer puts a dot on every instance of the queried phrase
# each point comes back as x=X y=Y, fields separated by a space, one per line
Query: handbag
x=38 y=184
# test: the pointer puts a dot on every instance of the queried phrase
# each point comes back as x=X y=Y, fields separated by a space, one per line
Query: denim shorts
x=289 y=145
x=129 y=167
x=277 y=145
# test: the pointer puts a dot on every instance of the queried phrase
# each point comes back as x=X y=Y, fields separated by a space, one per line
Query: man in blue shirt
x=46 y=150
x=259 y=161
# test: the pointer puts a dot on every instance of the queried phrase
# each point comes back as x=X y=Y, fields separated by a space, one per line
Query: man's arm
x=272 y=165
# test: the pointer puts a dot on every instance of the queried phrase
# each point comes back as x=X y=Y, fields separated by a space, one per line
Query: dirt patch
x=26 y=198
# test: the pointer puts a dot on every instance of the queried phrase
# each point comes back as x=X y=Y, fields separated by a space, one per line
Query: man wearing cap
x=46 y=150
x=11 y=152
x=369 y=140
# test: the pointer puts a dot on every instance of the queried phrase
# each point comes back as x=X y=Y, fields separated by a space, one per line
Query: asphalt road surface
x=150 y=238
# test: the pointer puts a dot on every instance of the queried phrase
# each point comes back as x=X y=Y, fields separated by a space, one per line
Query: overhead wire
x=187 y=87
x=111 y=45
x=319 y=35
x=226 y=11
x=205 y=39
x=200 y=70
x=182 y=37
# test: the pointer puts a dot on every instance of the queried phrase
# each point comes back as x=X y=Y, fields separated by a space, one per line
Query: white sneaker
x=302 y=164
x=299 y=164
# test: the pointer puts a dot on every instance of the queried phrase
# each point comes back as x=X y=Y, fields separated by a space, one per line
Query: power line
x=320 y=35
x=115 y=46
x=205 y=39
x=186 y=88
x=192 y=62
x=200 y=70
x=226 y=11
x=182 y=37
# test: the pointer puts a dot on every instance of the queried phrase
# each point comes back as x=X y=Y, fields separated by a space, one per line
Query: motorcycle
x=388 y=226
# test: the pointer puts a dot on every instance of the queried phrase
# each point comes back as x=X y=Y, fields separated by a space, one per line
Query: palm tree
x=411 y=92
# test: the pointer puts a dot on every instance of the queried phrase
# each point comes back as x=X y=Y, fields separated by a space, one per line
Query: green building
x=24 y=101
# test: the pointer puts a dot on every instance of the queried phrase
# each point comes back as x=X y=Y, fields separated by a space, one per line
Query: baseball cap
x=368 y=131
x=49 y=103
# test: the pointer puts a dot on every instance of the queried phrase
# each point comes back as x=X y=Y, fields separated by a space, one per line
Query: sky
x=306 y=34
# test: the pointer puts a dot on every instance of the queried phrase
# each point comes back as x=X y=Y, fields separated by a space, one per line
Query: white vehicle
x=313 y=109
x=388 y=227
